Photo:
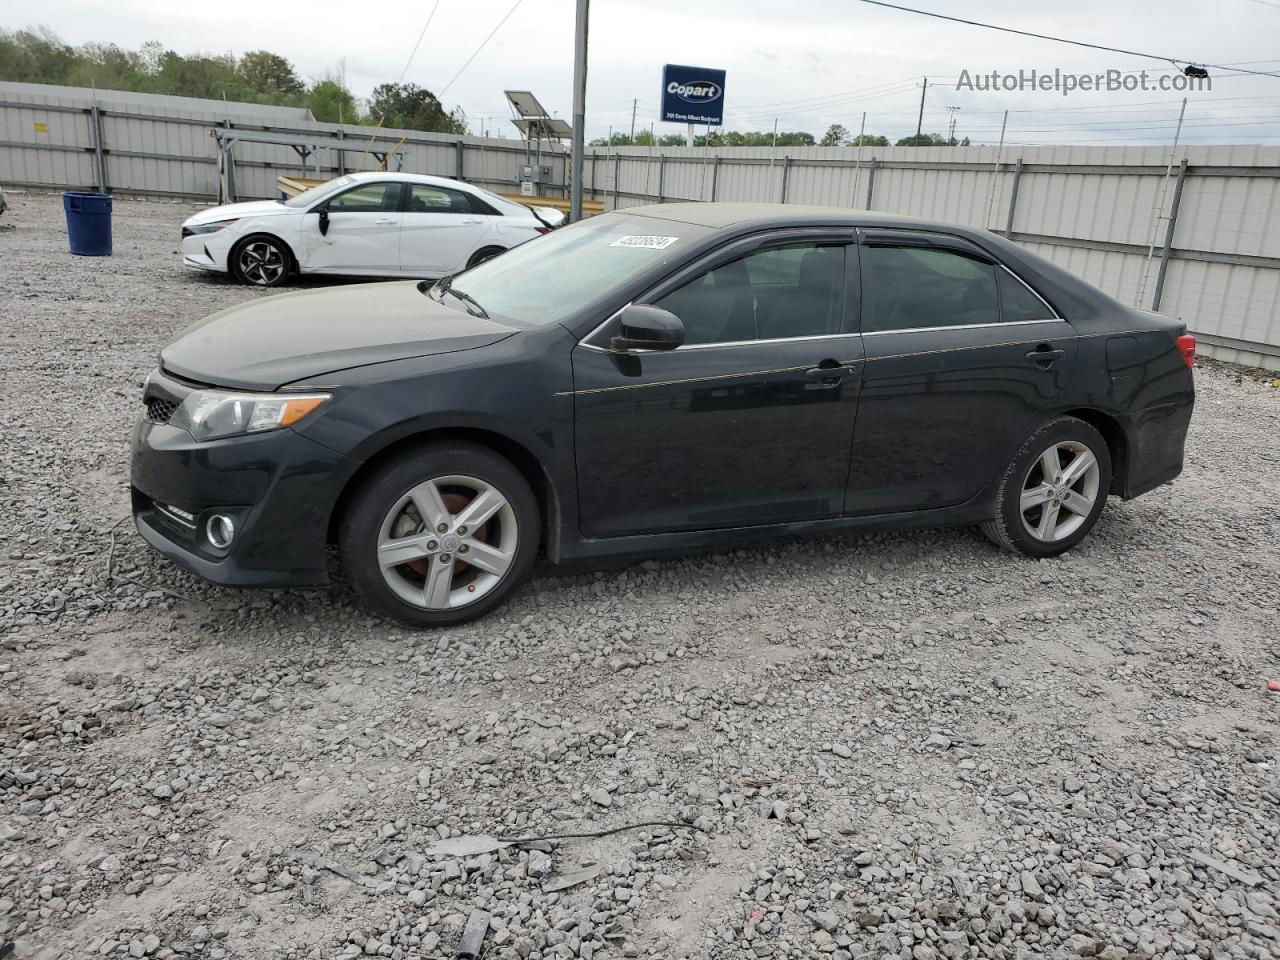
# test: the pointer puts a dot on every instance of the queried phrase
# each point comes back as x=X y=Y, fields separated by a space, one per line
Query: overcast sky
x=806 y=62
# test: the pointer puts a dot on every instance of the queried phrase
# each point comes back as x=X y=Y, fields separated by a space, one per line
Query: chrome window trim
x=726 y=343
x=962 y=326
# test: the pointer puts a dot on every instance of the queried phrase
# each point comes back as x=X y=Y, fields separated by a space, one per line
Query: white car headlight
x=208 y=227
x=214 y=414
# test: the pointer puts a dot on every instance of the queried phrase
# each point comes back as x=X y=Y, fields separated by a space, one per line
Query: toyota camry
x=665 y=378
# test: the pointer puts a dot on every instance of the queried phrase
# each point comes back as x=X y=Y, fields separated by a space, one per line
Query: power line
x=479 y=48
x=414 y=53
x=1076 y=43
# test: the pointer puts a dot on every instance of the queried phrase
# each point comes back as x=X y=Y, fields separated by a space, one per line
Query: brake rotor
x=410 y=523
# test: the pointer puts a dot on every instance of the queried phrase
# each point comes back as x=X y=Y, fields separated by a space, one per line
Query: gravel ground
x=903 y=745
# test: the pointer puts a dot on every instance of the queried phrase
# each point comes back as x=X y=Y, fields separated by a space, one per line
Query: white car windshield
x=550 y=278
x=307 y=197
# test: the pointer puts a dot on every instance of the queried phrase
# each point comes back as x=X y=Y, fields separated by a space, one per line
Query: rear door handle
x=383 y=221
x=1044 y=356
x=473 y=221
x=830 y=374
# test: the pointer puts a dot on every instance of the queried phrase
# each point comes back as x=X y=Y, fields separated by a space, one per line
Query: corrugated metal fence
x=1198 y=239
x=73 y=142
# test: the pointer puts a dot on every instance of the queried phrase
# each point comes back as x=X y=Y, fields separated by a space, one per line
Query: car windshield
x=308 y=197
x=550 y=278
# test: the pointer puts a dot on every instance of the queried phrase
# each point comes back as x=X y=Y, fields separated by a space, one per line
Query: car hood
x=264 y=344
x=237 y=211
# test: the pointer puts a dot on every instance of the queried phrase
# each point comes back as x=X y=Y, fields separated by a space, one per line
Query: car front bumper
x=278 y=489
x=205 y=252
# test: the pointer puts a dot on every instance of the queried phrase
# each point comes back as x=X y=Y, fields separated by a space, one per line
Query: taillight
x=1187 y=344
x=548 y=230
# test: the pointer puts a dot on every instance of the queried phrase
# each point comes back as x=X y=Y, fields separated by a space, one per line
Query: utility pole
x=920 y=119
x=632 y=138
x=579 y=109
x=951 y=131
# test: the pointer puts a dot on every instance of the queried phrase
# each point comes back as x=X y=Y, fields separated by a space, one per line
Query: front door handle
x=831 y=374
x=1044 y=356
x=385 y=221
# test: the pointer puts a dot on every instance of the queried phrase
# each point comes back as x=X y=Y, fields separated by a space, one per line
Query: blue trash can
x=88 y=223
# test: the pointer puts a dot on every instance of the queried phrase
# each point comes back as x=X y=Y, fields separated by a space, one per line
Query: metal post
x=342 y=154
x=871 y=181
x=1159 y=205
x=458 y=147
x=95 y=134
x=920 y=119
x=857 y=163
x=662 y=169
x=579 y=111
x=715 y=176
x=1168 y=235
x=995 y=168
x=1013 y=198
x=786 y=170
x=617 y=172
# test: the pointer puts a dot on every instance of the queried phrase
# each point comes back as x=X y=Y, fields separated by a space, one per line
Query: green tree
x=330 y=102
x=923 y=140
x=271 y=75
x=836 y=134
x=407 y=106
x=869 y=140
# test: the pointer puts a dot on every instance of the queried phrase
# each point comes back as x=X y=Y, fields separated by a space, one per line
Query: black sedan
x=684 y=376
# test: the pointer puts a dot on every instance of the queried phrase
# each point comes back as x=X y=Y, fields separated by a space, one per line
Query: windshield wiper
x=446 y=286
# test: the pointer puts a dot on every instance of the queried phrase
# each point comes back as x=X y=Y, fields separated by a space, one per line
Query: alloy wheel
x=1059 y=491
x=447 y=542
x=261 y=263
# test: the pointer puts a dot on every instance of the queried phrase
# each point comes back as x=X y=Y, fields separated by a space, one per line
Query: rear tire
x=440 y=535
x=1052 y=493
x=261 y=261
x=483 y=254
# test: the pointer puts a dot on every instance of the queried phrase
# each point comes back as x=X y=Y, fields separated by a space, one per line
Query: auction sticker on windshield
x=649 y=243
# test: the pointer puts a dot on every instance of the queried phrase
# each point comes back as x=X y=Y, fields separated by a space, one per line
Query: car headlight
x=214 y=414
x=208 y=227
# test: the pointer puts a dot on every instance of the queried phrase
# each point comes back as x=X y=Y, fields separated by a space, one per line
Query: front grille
x=160 y=410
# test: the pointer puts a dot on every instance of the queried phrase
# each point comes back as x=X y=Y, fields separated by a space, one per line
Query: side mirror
x=324 y=221
x=642 y=327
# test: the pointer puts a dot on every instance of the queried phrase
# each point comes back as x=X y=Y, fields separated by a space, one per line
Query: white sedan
x=364 y=224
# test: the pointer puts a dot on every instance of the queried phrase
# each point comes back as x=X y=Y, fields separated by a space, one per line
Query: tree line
x=260 y=76
x=836 y=136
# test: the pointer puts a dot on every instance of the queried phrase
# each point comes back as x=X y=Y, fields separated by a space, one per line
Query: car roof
x=410 y=177
x=765 y=215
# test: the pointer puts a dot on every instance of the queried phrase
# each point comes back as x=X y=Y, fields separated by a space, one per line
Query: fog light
x=221 y=530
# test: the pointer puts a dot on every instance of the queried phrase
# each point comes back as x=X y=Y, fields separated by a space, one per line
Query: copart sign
x=692 y=95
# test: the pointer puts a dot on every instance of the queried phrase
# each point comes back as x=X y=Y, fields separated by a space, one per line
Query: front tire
x=261 y=261
x=1053 y=491
x=440 y=535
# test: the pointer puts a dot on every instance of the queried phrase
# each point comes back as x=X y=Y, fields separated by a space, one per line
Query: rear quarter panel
x=1134 y=373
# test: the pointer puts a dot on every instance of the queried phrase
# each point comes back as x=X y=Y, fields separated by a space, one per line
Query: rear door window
x=424 y=198
x=1018 y=302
